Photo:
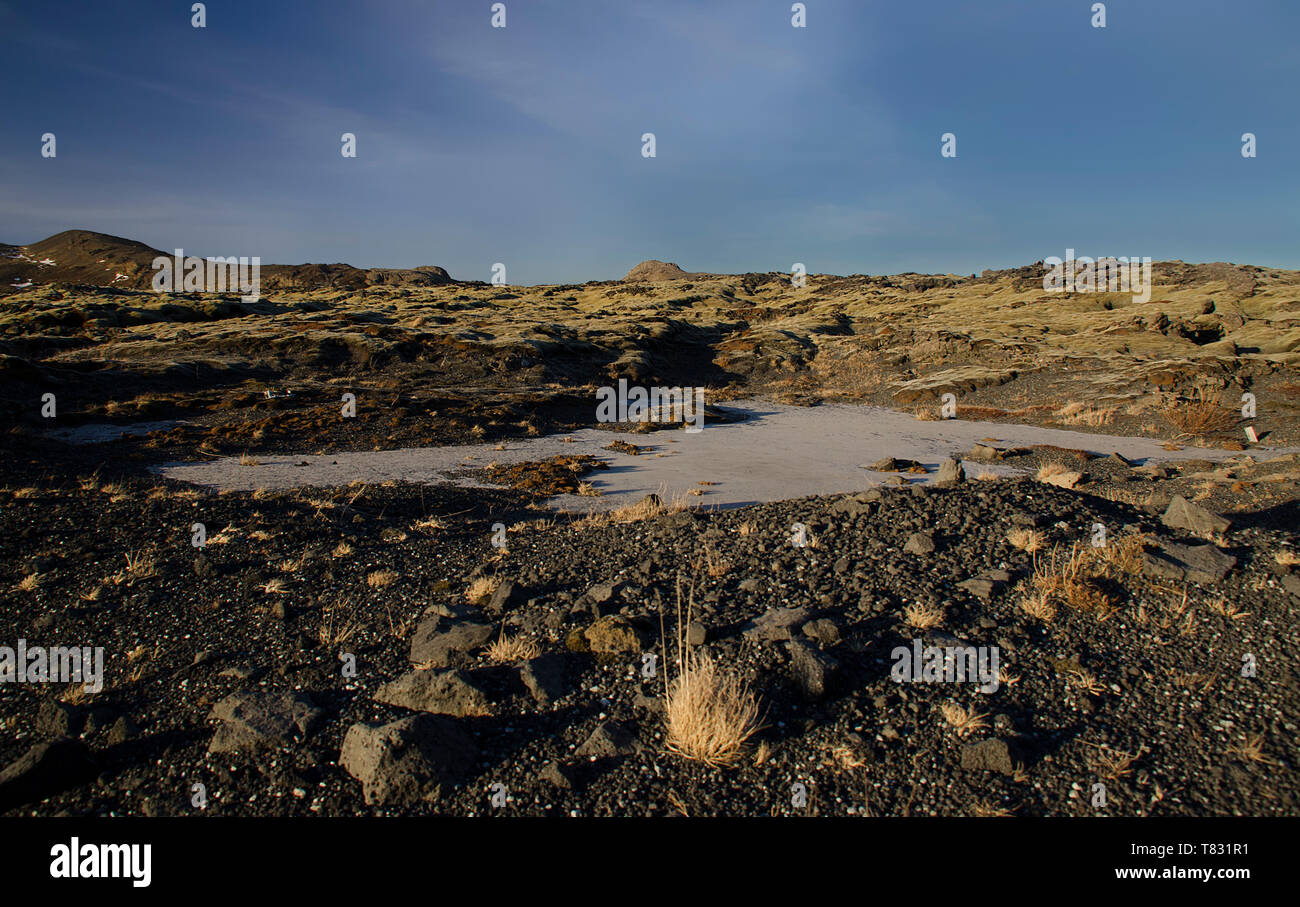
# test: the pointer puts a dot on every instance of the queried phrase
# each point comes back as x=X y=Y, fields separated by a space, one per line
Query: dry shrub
x=649 y=507
x=1202 y=415
x=1071 y=579
x=977 y=413
x=1077 y=413
x=1123 y=556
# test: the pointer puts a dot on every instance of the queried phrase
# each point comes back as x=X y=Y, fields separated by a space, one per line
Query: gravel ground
x=256 y=667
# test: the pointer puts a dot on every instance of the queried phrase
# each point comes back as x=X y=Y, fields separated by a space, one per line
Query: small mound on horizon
x=653 y=269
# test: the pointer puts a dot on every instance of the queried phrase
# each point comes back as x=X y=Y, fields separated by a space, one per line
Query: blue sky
x=522 y=145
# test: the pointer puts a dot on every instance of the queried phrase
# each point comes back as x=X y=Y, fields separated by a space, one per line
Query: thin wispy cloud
x=523 y=144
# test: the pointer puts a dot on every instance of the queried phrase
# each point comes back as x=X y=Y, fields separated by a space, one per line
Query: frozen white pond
x=778 y=452
x=103 y=432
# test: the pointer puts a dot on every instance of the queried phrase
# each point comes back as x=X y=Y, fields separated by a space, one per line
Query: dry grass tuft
x=511 y=649
x=335 y=629
x=1076 y=413
x=1068 y=579
x=481 y=589
x=1286 y=558
x=649 y=507
x=1084 y=680
x=140 y=566
x=1029 y=541
x=711 y=713
x=1230 y=610
x=1110 y=764
x=983 y=809
x=1193 y=680
x=378 y=579
x=846 y=757
x=428 y=525
x=224 y=537
x=714 y=565
x=962 y=720
x=1202 y=415
x=1038 y=606
x=1250 y=750
x=923 y=616
x=1121 y=557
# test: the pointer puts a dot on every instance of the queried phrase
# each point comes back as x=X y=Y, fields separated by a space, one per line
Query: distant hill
x=79 y=256
x=654 y=270
x=98 y=259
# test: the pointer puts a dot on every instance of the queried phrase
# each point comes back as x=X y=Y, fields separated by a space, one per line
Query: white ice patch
x=779 y=452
